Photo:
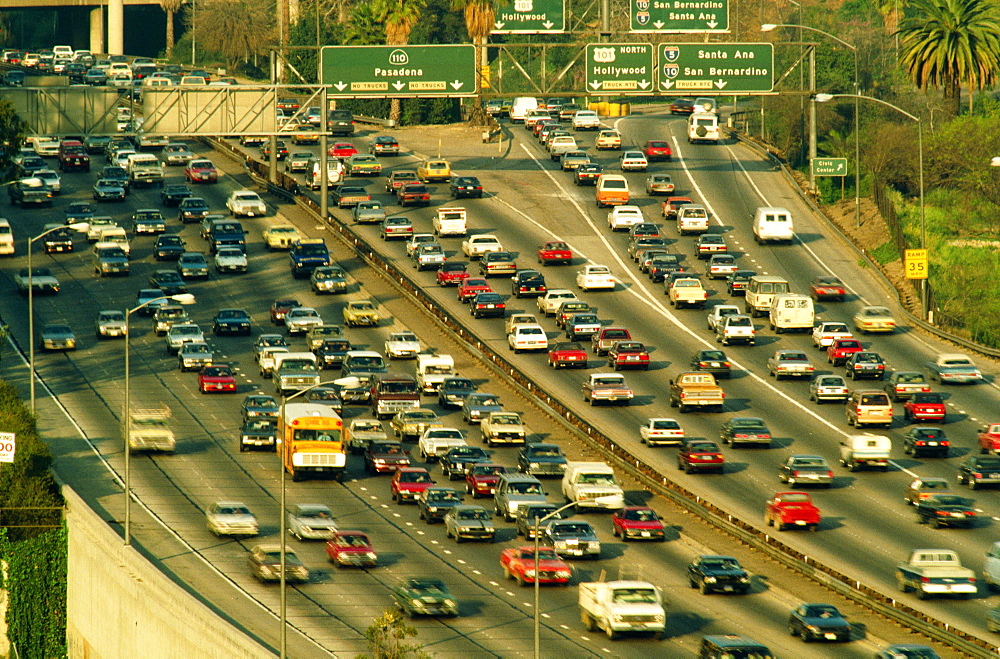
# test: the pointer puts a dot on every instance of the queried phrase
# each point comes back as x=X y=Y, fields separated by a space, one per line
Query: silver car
x=828 y=387
x=469 y=523
x=231 y=518
x=570 y=537
x=180 y=333
x=110 y=324
x=300 y=319
x=311 y=521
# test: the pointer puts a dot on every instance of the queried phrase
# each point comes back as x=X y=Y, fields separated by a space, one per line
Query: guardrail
x=648 y=475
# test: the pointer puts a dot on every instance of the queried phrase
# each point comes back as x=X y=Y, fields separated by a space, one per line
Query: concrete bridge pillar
x=116 y=27
x=97 y=30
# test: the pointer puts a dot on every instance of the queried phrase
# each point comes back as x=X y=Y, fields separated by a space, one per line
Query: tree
x=948 y=43
x=12 y=130
x=399 y=17
x=238 y=30
x=386 y=635
x=479 y=17
x=170 y=7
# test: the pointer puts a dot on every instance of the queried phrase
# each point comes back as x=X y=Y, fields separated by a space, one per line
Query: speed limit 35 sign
x=7 y=446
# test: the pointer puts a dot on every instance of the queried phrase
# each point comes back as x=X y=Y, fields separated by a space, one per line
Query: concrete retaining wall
x=120 y=605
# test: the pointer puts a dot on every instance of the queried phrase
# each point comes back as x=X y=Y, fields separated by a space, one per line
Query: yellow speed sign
x=915 y=263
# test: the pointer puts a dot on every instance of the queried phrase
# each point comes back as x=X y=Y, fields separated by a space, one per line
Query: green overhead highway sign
x=531 y=17
x=620 y=67
x=448 y=70
x=716 y=68
x=829 y=166
x=679 y=16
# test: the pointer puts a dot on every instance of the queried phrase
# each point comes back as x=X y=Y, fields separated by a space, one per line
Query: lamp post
x=823 y=98
x=538 y=524
x=767 y=27
x=181 y=298
x=76 y=226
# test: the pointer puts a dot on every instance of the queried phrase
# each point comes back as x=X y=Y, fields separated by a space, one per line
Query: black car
x=384 y=456
x=383 y=145
x=865 y=365
x=466 y=186
x=435 y=503
x=456 y=461
x=258 y=431
x=192 y=209
x=527 y=283
x=946 y=510
x=425 y=596
x=169 y=281
x=231 y=321
x=818 y=622
x=979 y=470
x=168 y=247
x=95 y=144
x=453 y=391
x=720 y=574
x=116 y=173
x=745 y=430
x=587 y=174
x=736 y=282
x=662 y=265
x=331 y=352
x=926 y=442
x=174 y=194
x=487 y=305
x=711 y=361
x=280 y=153
x=541 y=460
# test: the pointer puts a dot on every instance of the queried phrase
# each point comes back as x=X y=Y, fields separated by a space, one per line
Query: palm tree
x=399 y=17
x=948 y=43
x=171 y=7
x=479 y=17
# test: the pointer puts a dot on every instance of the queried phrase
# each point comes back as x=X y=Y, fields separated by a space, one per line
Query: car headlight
x=564 y=574
x=432 y=509
x=371 y=556
x=529 y=573
x=535 y=465
x=710 y=579
x=813 y=628
x=744 y=579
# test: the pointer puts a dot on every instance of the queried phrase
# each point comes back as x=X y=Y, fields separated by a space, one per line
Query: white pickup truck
x=450 y=221
x=935 y=572
x=475 y=246
x=592 y=485
x=149 y=430
x=622 y=606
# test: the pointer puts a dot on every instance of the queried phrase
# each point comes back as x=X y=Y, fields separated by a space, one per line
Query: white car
x=298 y=320
x=586 y=120
x=230 y=259
x=625 y=217
x=475 y=246
x=824 y=334
x=416 y=240
x=527 y=337
x=176 y=153
x=281 y=236
x=311 y=521
x=246 y=203
x=718 y=314
x=595 y=277
x=549 y=303
x=402 y=345
x=110 y=324
x=97 y=225
x=51 y=179
x=661 y=431
x=181 y=333
x=47 y=146
x=633 y=161
x=231 y=518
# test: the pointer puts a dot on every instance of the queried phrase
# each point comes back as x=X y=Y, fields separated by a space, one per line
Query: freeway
x=337 y=606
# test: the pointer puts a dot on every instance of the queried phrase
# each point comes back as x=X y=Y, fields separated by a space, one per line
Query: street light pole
x=182 y=298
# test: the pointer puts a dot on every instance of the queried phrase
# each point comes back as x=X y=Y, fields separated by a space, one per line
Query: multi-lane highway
x=529 y=201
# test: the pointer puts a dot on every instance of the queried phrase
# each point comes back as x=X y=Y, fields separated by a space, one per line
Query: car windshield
x=947 y=500
x=473 y=514
x=634 y=596
x=720 y=564
x=459 y=385
x=821 y=612
x=927 y=398
x=414 y=478
x=443 y=495
x=571 y=528
x=596 y=479
x=234 y=510
x=640 y=515
x=543 y=452
x=526 y=488
x=488 y=470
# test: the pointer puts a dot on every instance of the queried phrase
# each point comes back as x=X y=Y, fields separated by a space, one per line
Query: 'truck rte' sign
x=620 y=68
x=694 y=16
x=719 y=68
x=445 y=70
x=530 y=17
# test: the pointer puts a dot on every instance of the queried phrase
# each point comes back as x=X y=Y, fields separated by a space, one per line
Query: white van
x=432 y=370
x=761 y=289
x=157 y=82
x=6 y=237
x=773 y=225
x=520 y=107
x=791 y=311
x=692 y=218
x=703 y=127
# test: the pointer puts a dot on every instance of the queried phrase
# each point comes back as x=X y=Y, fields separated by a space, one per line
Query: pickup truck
x=450 y=222
x=149 y=430
x=953 y=368
x=41 y=280
x=604 y=339
x=792 y=510
x=144 y=169
x=696 y=389
x=622 y=606
x=989 y=438
x=502 y=428
x=362 y=432
x=346 y=196
x=610 y=387
x=548 y=304
x=687 y=291
x=935 y=572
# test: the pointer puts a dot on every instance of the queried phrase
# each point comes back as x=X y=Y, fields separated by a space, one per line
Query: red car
x=416 y=194
x=657 y=150
x=341 y=150
x=841 y=350
x=470 y=287
x=351 y=548
x=828 y=288
x=628 y=354
x=567 y=354
x=700 y=455
x=519 y=563
x=924 y=407
x=637 y=523
x=280 y=308
x=792 y=510
x=481 y=479
x=989 y=438
x=217 y=378
x=408 y=483
x=452 y=273
x=554 y=251
x=669 y=208
x=201 y=171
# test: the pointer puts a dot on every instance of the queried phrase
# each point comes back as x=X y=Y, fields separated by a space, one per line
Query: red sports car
x=637 y=523
x=657 y=150
x=925 y=407
x=351 y=548
x=280 y=308
x=216 y=378
x=452 y=273
x=341 y=150
x=553 y=252
x=519 y=563
x=470 y=287
x=568 y=354
x=828 y=288
x=201 y=171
